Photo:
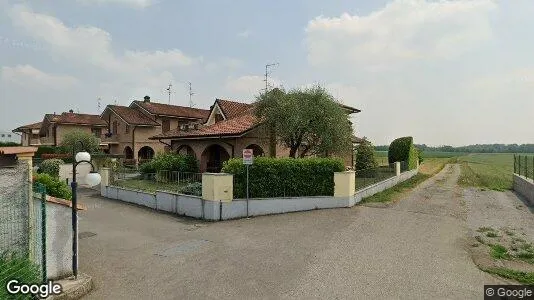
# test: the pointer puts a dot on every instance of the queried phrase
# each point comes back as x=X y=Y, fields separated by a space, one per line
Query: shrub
x=50 y=167
x=170 y=162
x=90 y=142
x=66 y=158
x=365 y=156
x=402 y=149
x=54 y=187
x=273 y=177
x=44 y=150
x=194 y=188
x=9 y=144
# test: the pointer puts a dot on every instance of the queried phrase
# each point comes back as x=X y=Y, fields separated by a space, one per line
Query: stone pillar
x=104 y=174
x=344 y=184
x=27 y=158
x=397 y=168
x=217 y=187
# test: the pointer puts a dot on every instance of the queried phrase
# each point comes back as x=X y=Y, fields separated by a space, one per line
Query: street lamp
x=91 y=179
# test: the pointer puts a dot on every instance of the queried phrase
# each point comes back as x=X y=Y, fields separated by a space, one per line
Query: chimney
x=147 y=99
x=71 y=111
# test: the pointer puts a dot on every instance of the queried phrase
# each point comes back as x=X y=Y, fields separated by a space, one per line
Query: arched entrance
x=256 y=150
x=186 y=150
x=213 y=158
x=128 y=153
x=145 y=153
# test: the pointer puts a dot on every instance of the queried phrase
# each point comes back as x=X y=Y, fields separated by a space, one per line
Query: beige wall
x=62 y=130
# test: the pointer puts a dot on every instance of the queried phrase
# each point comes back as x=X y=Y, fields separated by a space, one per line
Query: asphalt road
x=413 y=249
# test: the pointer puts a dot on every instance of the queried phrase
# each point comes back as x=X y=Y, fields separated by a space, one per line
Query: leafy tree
x=90 y=142
x=365 y=156
x=307 y=121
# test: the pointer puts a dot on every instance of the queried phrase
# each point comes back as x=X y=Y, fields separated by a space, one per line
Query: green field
x=487 y=170
x=382 y=156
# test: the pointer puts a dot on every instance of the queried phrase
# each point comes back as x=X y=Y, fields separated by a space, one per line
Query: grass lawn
x=149 y=185
x=487 y=170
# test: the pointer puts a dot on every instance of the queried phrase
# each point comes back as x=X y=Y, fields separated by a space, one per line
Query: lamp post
x=91 y=179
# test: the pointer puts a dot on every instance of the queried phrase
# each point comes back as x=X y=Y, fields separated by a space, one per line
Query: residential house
x=29 y=134
x=230 y=127
x=130 y=127
x=54 y=127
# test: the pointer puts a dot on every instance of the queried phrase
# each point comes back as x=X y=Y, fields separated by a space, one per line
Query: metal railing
x=368 y=177
x=524 y=165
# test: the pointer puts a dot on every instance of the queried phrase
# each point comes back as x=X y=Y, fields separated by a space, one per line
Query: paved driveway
x=415 y=249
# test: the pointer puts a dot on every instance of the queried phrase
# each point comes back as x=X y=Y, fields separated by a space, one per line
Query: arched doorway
x=213 y=158
x=185 y=150
x=145 y=153
x=128 y=153
x=256 y=150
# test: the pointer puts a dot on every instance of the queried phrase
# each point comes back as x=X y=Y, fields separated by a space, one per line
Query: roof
x=173 y=110
x=74 y=118
x=231 y=127
x=131 y=116
x=29 y=126
x=357 y=140
x=350 y=108
x=232 y=109
x=17 y=150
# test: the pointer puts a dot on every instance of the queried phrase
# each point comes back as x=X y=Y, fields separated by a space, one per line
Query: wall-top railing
x=524 y=165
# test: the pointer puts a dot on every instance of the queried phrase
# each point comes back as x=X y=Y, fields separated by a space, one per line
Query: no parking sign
x=248 y=157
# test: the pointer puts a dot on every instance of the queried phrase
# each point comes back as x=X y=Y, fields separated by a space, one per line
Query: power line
x=267 y=73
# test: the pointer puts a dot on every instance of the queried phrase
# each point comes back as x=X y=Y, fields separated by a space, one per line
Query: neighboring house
x=130 y=127
x=9 y=137
x=29 y=134
x=54 y=127
x=230 y=127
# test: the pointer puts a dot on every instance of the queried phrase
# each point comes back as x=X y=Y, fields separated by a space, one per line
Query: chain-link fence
x=524 y=165
x=368 y=177
x=22 y=230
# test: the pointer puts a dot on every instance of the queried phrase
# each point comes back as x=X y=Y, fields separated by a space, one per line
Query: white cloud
x=244 y=34
x=132 y=3
x=403 y=30
x=27 y=76
x=249 y=85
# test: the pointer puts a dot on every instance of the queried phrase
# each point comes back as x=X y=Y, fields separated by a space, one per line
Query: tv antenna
x=169 y=91
x=267 y=73
x=191 y=93
x=99 y=104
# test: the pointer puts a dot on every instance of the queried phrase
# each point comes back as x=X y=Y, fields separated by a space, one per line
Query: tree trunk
x=293 y=151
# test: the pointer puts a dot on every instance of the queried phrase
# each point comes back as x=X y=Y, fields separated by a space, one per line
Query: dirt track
x=415 y=248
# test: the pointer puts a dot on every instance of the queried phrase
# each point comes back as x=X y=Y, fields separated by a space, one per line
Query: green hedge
x=170 y=162
x=17 y=267
x=54 y=187
x=44 y=150
x=284 y=177
x=402 y=149
x=50 y=167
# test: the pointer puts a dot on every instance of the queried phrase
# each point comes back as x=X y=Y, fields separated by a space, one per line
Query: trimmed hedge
x=50 y=167
x=284 y=177
x=402 y=149
x=170 y=162
x=54 y=187
x=44 y=150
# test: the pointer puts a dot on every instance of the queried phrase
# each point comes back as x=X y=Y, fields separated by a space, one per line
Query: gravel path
x=415 y=248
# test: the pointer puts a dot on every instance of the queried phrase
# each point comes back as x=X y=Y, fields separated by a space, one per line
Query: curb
x=74 y=289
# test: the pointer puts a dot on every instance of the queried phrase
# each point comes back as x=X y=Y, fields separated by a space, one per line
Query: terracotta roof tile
x=232 y=109
x=174 y=110
x=29 y=126
x=132 y=116
x=235 y=126
x=74 y=118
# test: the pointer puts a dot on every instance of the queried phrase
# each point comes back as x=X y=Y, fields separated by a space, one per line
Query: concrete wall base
x=525 y=187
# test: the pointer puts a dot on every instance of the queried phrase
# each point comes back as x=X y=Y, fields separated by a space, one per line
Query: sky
x=452 y=72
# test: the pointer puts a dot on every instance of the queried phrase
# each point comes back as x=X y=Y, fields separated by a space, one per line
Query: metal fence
x=524 y=165
x=22 y=230
x=368 y=177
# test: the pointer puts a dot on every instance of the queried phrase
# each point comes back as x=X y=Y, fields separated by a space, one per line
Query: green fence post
x=519 y=165
x=526 y=166
x=515 y=169
x=43 y=233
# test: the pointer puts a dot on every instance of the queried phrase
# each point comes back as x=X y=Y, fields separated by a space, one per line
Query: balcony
x=114 y=139
x=48 y=141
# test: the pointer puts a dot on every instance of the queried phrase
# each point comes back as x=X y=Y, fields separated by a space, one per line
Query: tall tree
x=90 y=142
x=307 y=121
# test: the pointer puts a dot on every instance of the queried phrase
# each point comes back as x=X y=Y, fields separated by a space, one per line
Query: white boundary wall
x=196 y=207
x=525 y=187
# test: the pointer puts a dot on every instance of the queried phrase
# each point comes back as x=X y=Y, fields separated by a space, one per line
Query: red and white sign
x=248 y=156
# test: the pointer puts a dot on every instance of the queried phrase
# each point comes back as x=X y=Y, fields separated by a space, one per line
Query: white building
x=8 y=136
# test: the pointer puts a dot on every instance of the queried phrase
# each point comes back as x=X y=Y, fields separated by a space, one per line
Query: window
x=166 y=125
x=96 y=132
x=127 y=130
x=9 y=135
x=3 y=135
x=115 y=127
x=218 y=118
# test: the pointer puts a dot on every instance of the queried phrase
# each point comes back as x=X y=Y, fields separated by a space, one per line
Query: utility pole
x=267 y=73
x=169 y=91
x=191 y=93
